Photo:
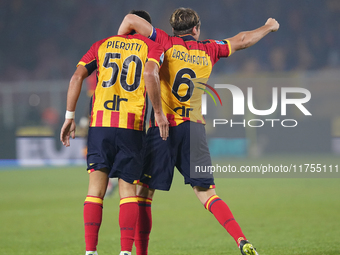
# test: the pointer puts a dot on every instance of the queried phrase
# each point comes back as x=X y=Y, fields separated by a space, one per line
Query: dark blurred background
x=42 y=41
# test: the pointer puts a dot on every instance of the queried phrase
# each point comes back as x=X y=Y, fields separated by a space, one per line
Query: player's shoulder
x=142 y=38
x=162 y=33
x=168 y=41
x=165 y=39
x=123 y=37
x=213 y=46
x=150 y=43
x=100 y=42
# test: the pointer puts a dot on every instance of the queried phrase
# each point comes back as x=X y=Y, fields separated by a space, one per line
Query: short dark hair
x=143 y=14
x=183 y=20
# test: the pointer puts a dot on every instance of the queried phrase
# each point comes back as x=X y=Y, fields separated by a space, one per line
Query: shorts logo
x=146 y=175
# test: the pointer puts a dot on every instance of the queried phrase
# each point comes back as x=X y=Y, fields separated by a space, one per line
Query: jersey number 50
x=125 y=70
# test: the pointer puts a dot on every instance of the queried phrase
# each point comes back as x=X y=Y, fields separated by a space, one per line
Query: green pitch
x=41 y=213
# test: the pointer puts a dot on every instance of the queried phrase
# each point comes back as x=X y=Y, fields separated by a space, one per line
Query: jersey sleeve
x=219 y=49
x=160 y=36
x=89 y=60
x=156 y=53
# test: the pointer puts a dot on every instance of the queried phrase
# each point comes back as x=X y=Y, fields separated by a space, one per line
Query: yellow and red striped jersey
x=187 y=64
x=119 y=99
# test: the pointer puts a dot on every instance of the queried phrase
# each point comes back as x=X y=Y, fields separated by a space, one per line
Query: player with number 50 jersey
x=127 y=67
x=119 y=98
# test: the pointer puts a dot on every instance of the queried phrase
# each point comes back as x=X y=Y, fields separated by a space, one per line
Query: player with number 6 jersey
x=187 y=66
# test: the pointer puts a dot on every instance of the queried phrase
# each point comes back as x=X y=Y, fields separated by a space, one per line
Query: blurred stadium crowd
x=43 y=40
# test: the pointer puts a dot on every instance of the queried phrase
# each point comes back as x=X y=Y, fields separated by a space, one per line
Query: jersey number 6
x=181 y=79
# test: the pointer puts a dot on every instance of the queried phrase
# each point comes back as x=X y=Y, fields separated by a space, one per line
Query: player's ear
x=194 y=31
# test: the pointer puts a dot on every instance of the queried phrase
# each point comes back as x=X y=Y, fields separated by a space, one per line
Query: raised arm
x=246 y=39
x=69 y=126
x=152 y=85
x=133 y=22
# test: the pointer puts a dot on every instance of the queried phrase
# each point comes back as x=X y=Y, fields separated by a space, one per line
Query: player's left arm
x=69 y=126
x=246 y=39
x=133 y=22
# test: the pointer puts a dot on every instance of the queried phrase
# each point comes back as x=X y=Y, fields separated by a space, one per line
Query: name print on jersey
x=190 y=58
x=123 y=46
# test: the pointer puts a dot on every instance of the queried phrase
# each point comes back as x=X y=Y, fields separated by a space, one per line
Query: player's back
x=119 y=98
x=187 y=66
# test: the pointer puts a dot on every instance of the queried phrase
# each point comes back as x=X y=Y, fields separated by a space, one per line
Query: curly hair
x=183 y=20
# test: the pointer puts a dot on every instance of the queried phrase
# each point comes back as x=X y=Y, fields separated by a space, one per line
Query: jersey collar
x=187 y=37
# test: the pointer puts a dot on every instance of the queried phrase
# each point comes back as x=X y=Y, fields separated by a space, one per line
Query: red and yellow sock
x=128 y=215
x=93 y=210
x=225 y=217
x=143 y=227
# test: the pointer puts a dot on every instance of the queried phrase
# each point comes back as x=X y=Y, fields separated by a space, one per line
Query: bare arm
x=152 y=85
x=69 y=126
x=133 y=22
x=246 y=39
